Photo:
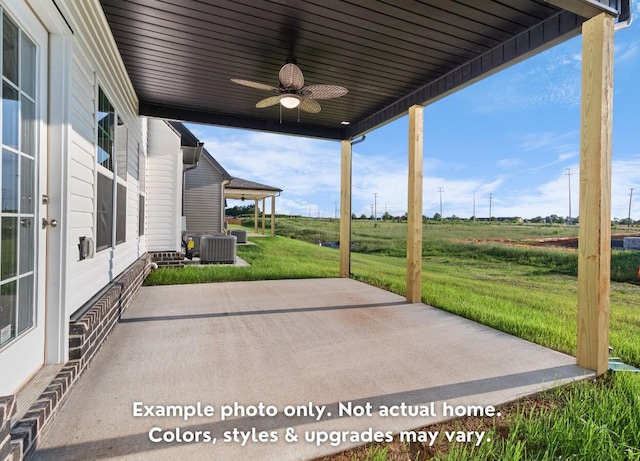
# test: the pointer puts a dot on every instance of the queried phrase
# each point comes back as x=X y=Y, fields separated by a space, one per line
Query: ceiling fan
x=292 y=93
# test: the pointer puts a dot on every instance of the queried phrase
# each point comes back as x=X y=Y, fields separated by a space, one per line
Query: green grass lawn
x=528 y=292
x=270 y=258
x=588 y=422
x=313 y=230
x=584 y=421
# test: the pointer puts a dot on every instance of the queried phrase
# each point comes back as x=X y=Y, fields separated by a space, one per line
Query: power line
x=440 y=189
x=490 y=200
x=474 y=205
x=375 y=206
x=630 y=198
x=568 y=174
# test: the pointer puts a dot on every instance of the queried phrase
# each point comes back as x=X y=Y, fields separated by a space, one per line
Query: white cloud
x=548 y=141
x=551 y=148
x=566 y=156
x=552 y=197
x=626 y=52
x=298 y=165
x=309 y=173
x=549 y=79
x=510 y=163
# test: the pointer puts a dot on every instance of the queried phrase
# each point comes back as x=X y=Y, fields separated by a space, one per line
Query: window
x=106 y=119
x=111 y=185
x=121 y=214
x=122 y=138
x=104 y=222
x=141 y=216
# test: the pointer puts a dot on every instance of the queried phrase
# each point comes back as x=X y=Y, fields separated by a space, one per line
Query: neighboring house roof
x=242 y=189
x=237 y=188
x=239 y=183
x=216 y=165
x=188 y=139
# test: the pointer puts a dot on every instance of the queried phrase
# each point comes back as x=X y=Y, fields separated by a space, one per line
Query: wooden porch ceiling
x=390 y=55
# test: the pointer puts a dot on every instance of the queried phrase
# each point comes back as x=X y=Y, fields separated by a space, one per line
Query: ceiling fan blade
x=324 y=91
x=268 y=102
x=291 y=77
x=309 y=105
x=259 y=86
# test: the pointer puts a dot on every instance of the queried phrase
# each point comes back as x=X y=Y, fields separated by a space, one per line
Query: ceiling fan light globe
x=290 y=101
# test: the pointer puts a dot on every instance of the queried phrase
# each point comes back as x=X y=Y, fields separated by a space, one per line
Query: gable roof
x=188 y=139
x=216 y=165
x=244 y=184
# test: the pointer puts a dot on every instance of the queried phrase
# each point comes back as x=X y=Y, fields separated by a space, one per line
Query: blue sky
x=512 y=135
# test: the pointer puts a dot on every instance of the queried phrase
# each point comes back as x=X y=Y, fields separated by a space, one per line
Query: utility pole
x=490 y=200
x=335 y=205
x=440 y=189
x=372 y=209
x=568 y=174
x=474 y=205
x=630 y=199
x=375 y=206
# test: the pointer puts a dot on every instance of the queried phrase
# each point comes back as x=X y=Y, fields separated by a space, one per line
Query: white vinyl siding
x=164 y=187
x=96 y=63
x=203 y=201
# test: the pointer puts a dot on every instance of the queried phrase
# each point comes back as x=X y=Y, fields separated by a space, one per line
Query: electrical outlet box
x=86 y=248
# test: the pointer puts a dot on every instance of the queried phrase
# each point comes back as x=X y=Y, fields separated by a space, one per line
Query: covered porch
x=379 y=62
x=336 y=340
x=319 y=342
x=242 y=189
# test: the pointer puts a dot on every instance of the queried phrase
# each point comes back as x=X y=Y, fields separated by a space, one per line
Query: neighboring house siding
x=203 y=201
x=164 y=188
x=95 y=63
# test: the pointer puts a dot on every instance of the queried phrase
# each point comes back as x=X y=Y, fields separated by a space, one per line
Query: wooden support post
x=345 y=210
x=414 y=213
x=273 y=216
x=255 y=217
x=594 y=249
x=264 y=215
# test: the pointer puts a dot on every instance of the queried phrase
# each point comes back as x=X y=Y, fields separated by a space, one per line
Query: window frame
x=118 y=217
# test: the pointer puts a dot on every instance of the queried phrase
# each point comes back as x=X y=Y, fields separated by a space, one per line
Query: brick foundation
x=168 y=258
x=86 y=335
x=7 y=410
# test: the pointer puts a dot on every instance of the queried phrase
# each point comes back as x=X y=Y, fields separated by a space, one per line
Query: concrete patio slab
x=308 y=344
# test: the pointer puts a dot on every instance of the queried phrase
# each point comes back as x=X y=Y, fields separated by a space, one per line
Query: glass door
x=18 y=195
x=23 y=171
